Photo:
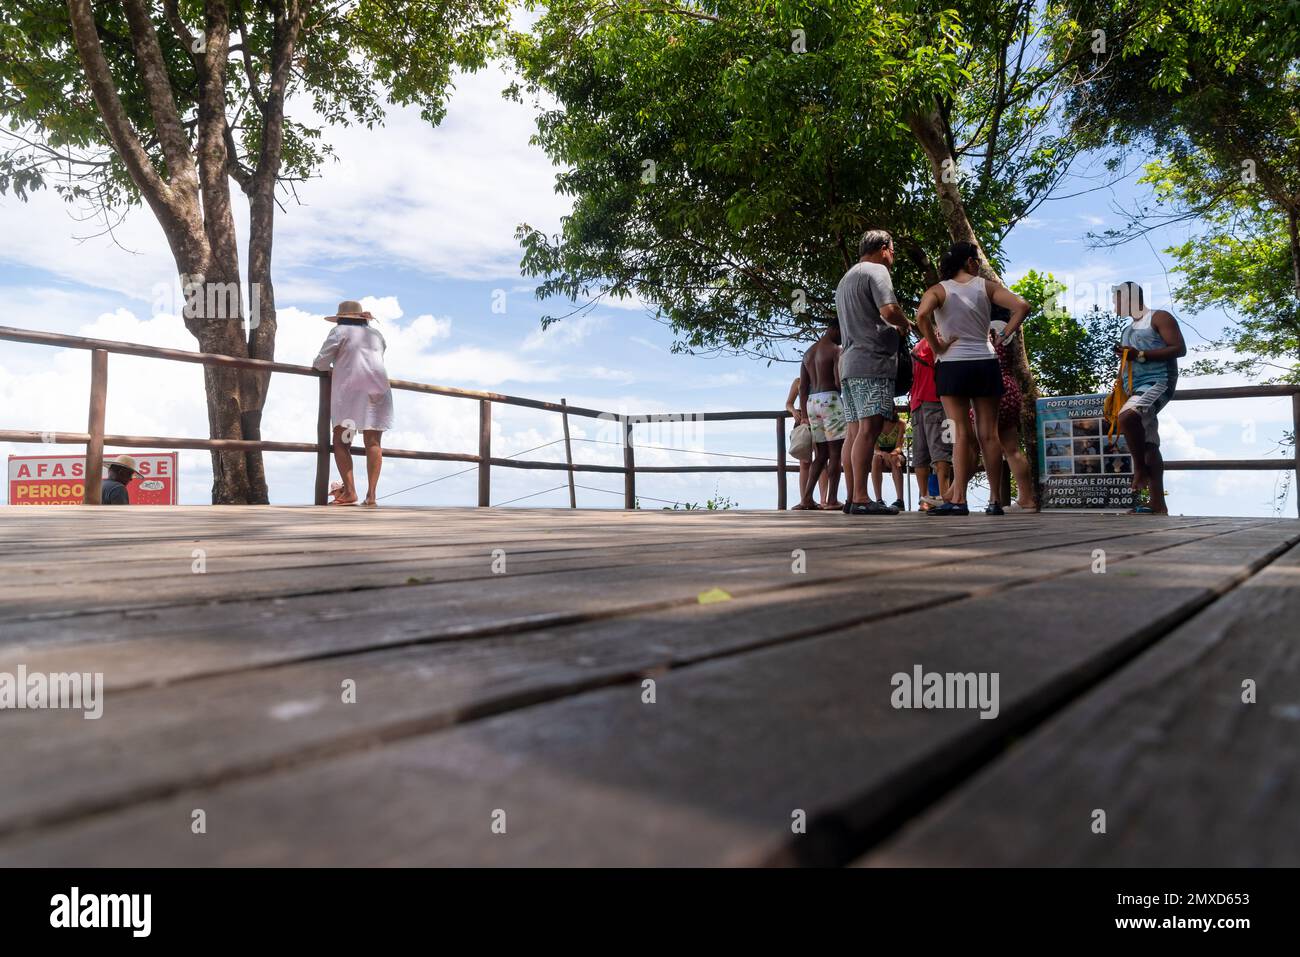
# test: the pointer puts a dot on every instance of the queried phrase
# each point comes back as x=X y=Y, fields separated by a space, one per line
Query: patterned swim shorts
x=826 y=416
x=1147 y=400
x=868 y=396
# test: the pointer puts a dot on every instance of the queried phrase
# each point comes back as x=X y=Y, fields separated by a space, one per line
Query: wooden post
x=568 y=455
x=95 y=427
x=780 y=465
x=1295 y=435
x=484 y=453
x=629 y=465
x=324 y=439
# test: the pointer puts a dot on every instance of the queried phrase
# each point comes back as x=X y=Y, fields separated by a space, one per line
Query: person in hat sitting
x=361 y=399
x=121 y=473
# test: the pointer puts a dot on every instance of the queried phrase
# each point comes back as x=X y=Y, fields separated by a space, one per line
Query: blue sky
x=421 y=222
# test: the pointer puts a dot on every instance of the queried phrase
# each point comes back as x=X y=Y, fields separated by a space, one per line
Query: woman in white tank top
x=954 y=317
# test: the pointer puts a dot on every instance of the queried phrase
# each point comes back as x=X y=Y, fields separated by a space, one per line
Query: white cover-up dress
x=360 y=396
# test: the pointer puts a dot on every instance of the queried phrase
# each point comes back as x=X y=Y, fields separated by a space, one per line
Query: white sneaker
x=934 y=500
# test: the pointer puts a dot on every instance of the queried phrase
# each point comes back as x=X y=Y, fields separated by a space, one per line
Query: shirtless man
x=1153 y=342
x=819 y=399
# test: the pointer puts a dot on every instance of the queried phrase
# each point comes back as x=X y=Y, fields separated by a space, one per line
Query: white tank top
x=965 y=315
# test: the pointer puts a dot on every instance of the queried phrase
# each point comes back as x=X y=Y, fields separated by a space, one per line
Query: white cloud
x=564 y=334
x=631 y=304
x=432 y=199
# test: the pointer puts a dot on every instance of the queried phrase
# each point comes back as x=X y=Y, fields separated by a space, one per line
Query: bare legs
x=1009 y=437
x=859 y=447
x=343 y=458
x=374 y=462
x=877 y=478
x=986 y=433
x=1155 y=463
x=823 y=475
x=1148 y=463
x=943 y=470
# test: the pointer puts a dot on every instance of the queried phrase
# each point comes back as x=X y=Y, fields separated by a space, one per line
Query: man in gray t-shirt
x=870 y=343
x=870 y=325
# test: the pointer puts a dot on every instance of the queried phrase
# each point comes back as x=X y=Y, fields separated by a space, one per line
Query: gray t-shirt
x=870 y=343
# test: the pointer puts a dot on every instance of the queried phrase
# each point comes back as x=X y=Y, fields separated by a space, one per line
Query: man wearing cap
x=121 y=473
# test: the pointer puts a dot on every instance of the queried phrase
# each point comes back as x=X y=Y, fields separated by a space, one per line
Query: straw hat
x=124 y=462
x=349 y=309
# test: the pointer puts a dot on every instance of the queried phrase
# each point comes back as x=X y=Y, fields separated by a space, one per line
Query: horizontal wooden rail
x=500 y=399
x=1231 y=465
x=13 y=334
x=655 y=417
x=1238 y=392
x=36 y=337
x=94 y=439
x=247 y=445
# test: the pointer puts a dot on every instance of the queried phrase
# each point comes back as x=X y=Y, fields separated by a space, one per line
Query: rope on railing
x=669 y=448
x=470 y=469
x=531 y=495
x=648 y=498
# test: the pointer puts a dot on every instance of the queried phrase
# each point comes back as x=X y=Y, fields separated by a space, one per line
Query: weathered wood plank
x=60 y=590
x=170 y=643
x=174 y=582
x=167 y=734
x=712 y=772
x=1187 y=773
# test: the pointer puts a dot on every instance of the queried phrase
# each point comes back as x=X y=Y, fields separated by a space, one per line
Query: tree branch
x=118 y=125
x=162 y=101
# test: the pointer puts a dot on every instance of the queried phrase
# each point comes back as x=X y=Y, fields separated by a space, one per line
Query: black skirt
x=970 y=379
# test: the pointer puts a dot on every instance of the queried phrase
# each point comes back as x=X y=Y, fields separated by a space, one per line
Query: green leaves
x=1212 y=88
x=352 y=60
x=768 y=162
x=1069 y=355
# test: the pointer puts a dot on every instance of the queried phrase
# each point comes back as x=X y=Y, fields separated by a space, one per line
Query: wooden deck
x=522 y=692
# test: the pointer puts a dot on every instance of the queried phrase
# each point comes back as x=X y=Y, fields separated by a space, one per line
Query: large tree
x=169 y=102
x=1209 y=92
x=725 y=155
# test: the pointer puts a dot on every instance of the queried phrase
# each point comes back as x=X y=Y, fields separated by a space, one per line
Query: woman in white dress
x=361 y=399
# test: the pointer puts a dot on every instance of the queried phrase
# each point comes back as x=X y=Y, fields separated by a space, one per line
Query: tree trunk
x=260 y=189
x=930 y=133
x=192 y=206
x=1293 y=232
x=261 y=333
x=223 y=333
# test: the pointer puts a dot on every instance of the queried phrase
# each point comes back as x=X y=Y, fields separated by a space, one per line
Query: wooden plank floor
x=489 y=695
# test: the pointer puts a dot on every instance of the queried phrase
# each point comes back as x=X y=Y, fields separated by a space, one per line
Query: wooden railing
x=95 y=439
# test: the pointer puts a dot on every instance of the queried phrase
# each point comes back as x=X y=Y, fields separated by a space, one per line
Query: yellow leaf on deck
x=712 y=595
